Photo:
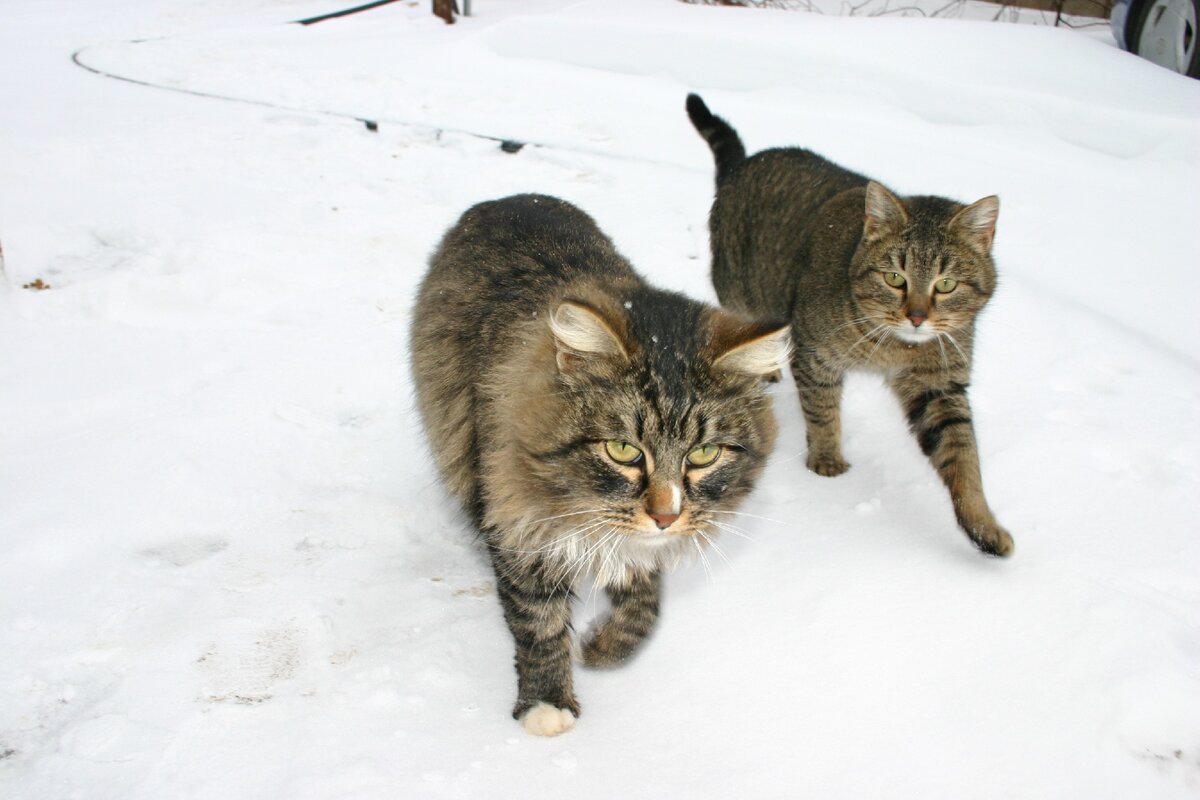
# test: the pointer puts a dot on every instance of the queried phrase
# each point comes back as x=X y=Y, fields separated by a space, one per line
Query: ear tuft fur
x=758 y=349
x=978 y=221
x=884 y=212
x=581 y=331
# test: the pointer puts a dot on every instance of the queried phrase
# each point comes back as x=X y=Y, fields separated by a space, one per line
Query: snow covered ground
x=227 y=569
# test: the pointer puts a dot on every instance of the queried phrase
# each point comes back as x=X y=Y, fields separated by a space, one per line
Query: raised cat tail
x=726 y=145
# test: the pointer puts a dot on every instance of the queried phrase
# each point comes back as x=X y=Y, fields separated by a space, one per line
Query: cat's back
x=761 y=224
x=497 y=268
x=505 y=258
x=795 y=174
x=523 y=242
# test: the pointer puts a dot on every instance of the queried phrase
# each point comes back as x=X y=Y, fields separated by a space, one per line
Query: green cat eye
x=703 y=455
x=622 y=452
x=945 y=285
x=894 y=279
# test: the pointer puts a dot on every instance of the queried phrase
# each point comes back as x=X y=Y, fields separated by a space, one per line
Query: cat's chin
x=911 y=335
x=648 y=540
x=658 y=550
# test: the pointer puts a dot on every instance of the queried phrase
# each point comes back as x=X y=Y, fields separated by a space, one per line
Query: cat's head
x=648 y=421
x=923 y=267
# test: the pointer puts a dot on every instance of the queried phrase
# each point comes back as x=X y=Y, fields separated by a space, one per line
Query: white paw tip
x=546 y=720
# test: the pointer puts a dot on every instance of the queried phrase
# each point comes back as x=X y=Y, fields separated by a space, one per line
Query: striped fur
x=533 y=344
x=796 y=237
x=634 y=611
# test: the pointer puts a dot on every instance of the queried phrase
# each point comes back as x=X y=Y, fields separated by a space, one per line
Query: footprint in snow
x=246 y=667
x=183 y=552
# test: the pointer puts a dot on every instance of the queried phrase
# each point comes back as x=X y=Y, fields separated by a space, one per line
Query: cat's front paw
x=544 y=719
x=991 y=538
x=602 y=649
x=828 y=465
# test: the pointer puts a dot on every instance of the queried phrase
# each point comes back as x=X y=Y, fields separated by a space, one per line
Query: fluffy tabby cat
x=586 y=421
x=870 y=281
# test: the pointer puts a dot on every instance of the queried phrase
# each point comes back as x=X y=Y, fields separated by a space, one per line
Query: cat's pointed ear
x=758 y=349
x=977 y=222
x=581 y=331
x=884 y=213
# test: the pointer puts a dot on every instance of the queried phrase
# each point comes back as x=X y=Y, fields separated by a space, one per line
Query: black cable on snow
x=373 y=125
x=345 y=12
x=507 y=145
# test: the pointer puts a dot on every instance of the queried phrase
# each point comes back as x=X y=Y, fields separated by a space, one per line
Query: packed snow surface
x=227 y=569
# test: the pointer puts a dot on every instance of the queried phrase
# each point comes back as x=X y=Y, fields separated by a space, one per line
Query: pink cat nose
x=663 y=521
x=916 y=317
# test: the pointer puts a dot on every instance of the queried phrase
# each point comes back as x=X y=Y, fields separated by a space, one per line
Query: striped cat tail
x=721 y=137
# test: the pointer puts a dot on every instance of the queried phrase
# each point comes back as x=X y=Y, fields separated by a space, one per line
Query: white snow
x=226 y=566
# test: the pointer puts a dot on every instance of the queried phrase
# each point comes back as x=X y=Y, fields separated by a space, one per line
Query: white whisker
x=575 y=568
x=858 y=321
x=568 y=514
x=730 y=529
x=954 y=342
x=603 y=570
x=713 y=544
x=747 y=514
x=887 y=334
x=881 y=327
x=559 y=542
x=708 y=573
x=774 y=459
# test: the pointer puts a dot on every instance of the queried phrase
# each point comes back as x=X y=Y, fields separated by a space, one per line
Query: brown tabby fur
x=797 y=237
x=533 y=343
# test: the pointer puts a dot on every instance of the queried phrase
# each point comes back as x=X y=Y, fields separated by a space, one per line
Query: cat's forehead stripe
x=661 y=417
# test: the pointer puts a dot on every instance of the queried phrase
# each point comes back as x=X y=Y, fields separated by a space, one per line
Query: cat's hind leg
x=634 y=613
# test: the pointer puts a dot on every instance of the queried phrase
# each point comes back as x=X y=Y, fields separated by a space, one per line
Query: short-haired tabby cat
x=869 y=280
x=586 y=421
